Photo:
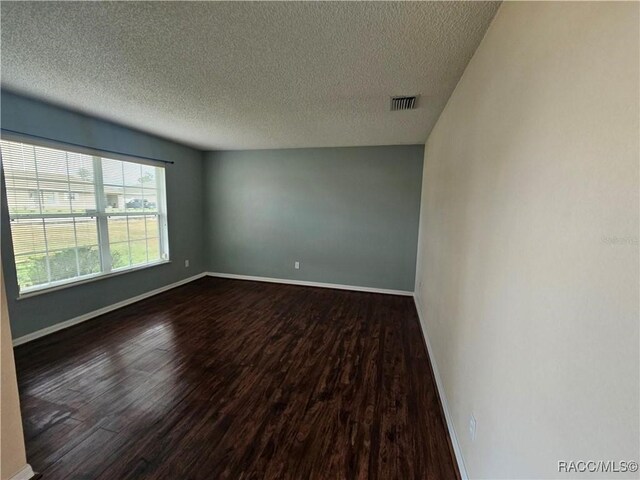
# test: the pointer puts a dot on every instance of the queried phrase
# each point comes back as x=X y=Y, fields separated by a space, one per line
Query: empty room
x=320 y=240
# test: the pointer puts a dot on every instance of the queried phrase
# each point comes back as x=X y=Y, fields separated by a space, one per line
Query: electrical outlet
x=186 y=264
x=472 y=427
x=296 y=265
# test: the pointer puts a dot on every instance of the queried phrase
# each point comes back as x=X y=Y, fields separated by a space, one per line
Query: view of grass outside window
x=74 y=216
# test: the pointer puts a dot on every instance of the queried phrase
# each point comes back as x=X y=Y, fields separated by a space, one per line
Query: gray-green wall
x=184 y=207
x=348 y=215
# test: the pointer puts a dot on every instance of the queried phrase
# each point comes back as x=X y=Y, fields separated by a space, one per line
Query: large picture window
x=76 y=216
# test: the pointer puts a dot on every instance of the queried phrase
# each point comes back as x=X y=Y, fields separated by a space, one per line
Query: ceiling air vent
x=404 y=102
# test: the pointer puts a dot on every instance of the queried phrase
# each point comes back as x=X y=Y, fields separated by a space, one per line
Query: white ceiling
x=236 y=75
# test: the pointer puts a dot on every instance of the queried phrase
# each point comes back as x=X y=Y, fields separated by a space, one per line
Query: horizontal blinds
x=45 y=181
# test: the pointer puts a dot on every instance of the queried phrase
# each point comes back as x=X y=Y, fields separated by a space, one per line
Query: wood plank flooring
x=240 y=380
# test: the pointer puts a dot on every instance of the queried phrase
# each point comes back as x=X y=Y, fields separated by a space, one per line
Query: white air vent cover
x=404 y=102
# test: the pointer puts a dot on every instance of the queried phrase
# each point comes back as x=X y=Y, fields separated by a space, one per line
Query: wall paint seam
x=443 y=398
x=305 y=283
x=101 y=311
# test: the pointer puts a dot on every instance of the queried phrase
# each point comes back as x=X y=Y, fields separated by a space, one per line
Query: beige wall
x=12 y=454
x=528 y=267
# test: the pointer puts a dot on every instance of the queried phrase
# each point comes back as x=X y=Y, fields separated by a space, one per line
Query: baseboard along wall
x=101 y=311
x=306 y=283
x=443 y=398
x=25 y=473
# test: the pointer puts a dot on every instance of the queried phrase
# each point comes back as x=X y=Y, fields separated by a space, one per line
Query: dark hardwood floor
x=239 y=380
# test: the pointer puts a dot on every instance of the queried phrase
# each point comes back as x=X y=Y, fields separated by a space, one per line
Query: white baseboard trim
x=25 y=473
x=305 y=283
x=443 y=398
x=101 y=311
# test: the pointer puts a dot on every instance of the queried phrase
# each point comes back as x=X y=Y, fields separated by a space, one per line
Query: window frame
x=101 y=216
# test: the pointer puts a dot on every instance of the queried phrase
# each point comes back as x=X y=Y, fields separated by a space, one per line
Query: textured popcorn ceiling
x=237 y=75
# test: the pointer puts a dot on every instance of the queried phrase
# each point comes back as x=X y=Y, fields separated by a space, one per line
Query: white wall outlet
x=296 y=265
x=186 y=264
x=472 y=427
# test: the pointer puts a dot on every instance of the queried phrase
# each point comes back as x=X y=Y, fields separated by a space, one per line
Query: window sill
x=89 y=279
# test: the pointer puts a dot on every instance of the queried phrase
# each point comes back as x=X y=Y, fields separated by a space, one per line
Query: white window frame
x=101 y=216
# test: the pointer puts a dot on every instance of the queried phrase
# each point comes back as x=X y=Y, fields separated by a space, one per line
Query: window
x=76 y=216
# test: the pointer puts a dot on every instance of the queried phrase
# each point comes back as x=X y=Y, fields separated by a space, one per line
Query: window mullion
x=161 y=205
x=75 y=231
x=101 y=217
x=124 y=190
x=44 y=223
